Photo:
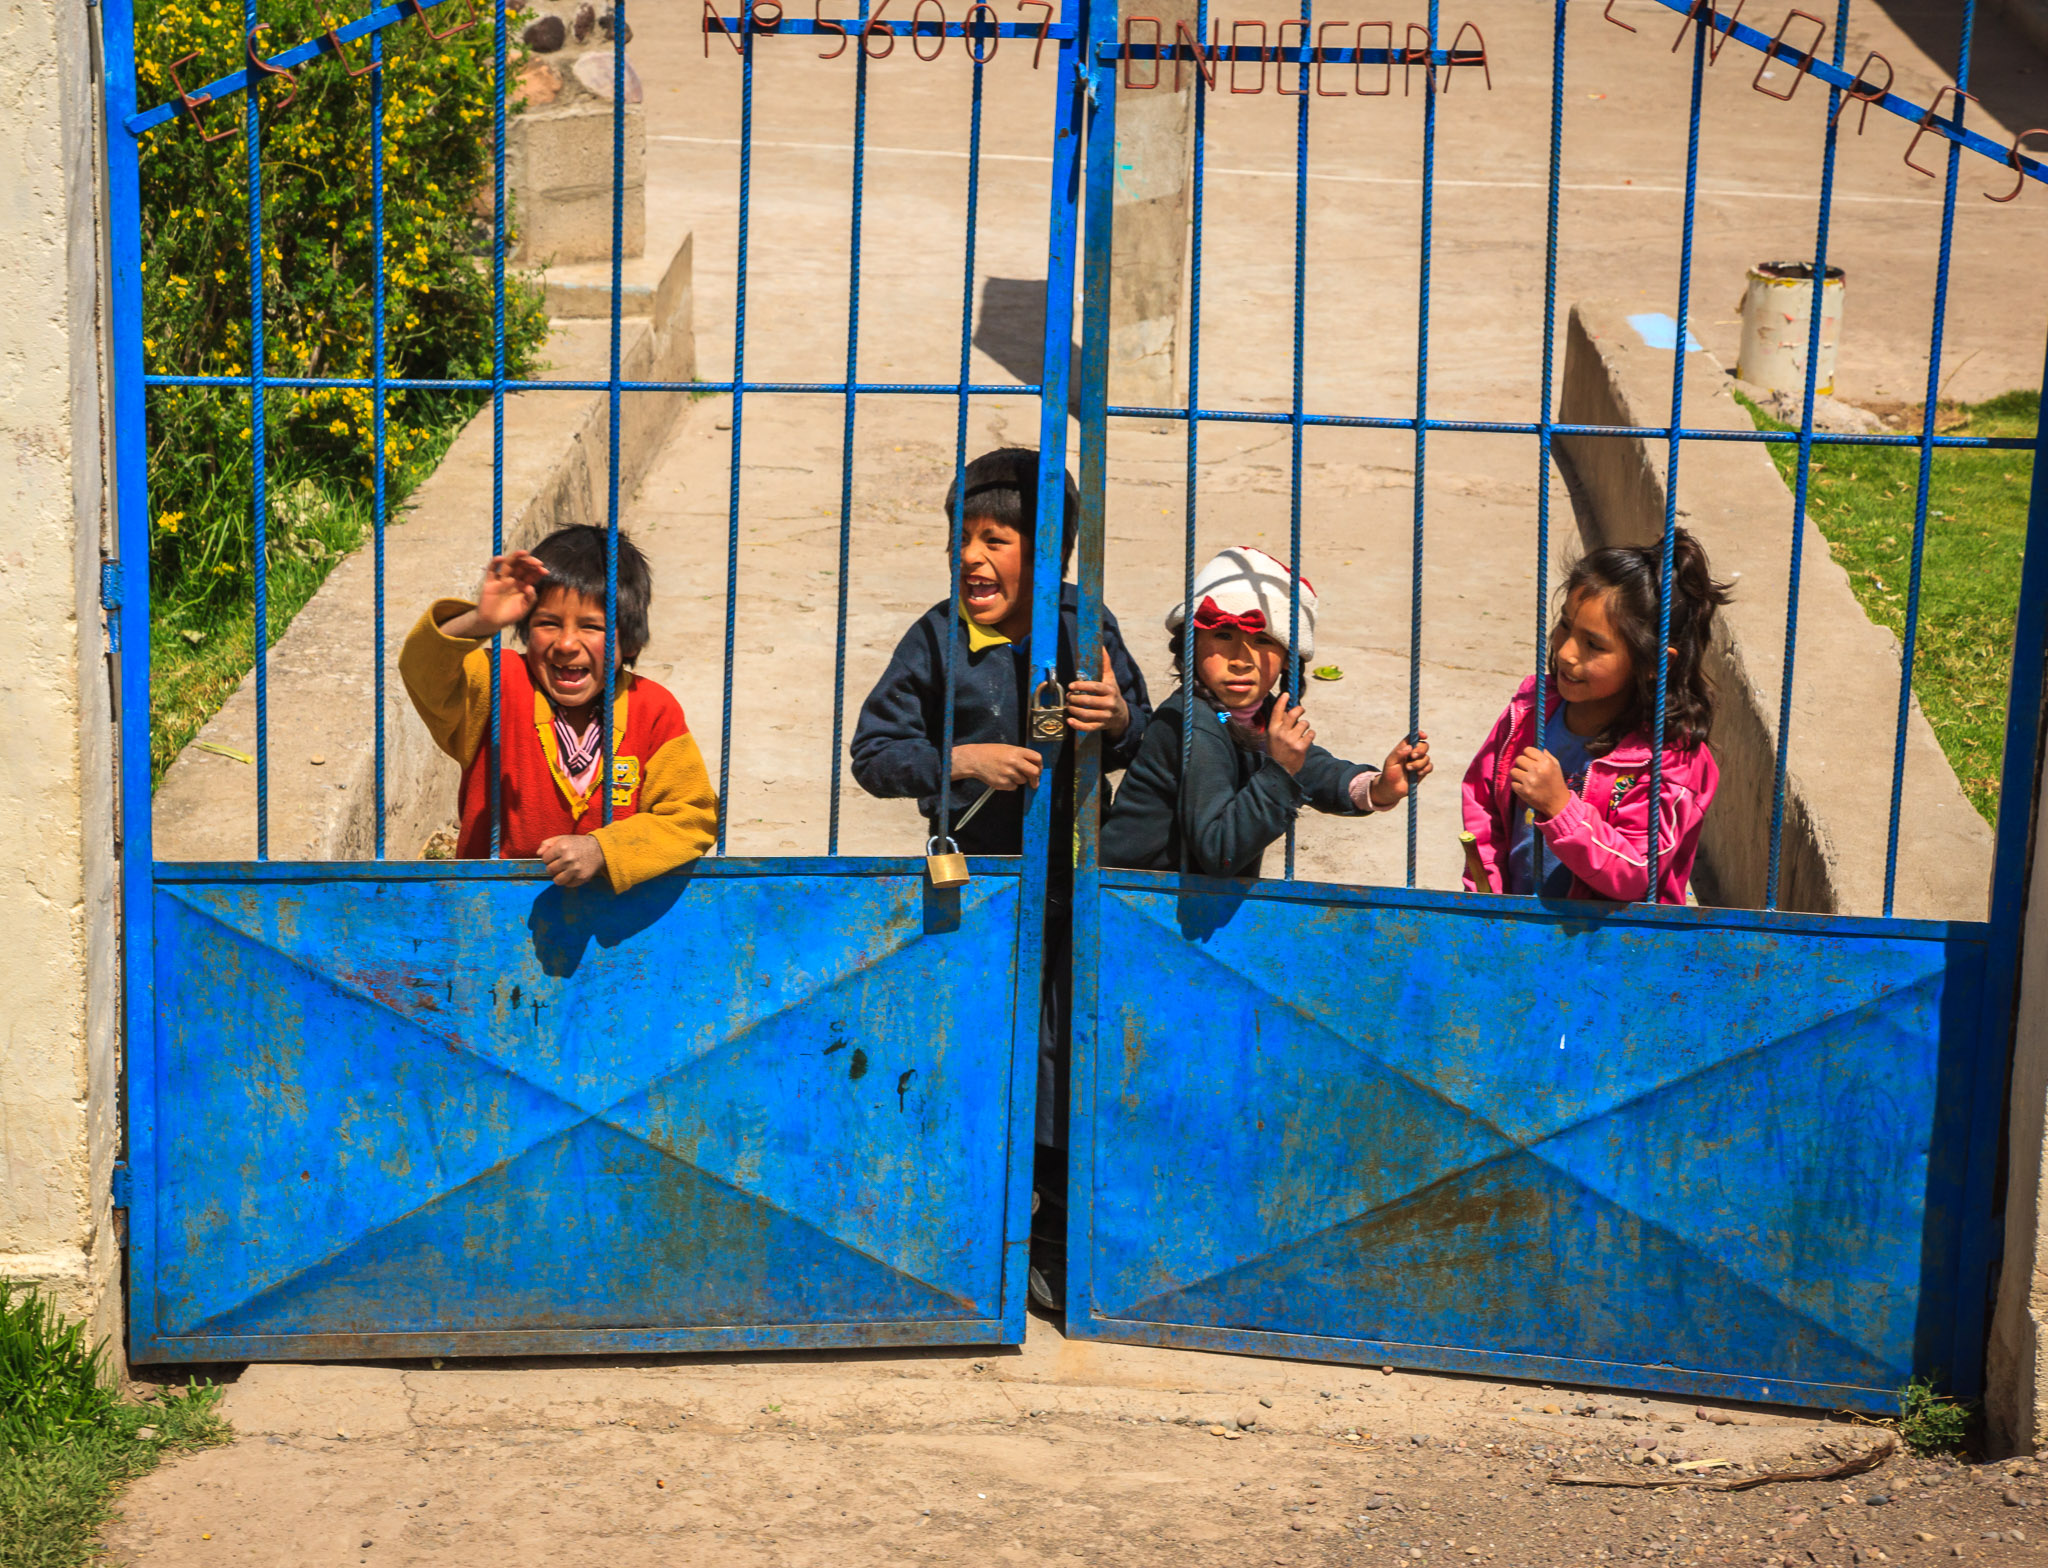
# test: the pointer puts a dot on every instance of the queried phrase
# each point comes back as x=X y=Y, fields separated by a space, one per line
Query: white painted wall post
x=59 y=1070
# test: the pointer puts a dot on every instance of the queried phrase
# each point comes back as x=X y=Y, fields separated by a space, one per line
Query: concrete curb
x=1845 y=688
x=321 y=679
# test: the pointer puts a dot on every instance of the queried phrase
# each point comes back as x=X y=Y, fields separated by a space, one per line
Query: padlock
x=1048 y=725
x=948 y=869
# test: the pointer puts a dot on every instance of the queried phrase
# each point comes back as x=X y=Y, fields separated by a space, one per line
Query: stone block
x=558 y=166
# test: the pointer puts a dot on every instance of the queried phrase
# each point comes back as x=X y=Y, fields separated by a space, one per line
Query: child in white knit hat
x=1253 y=763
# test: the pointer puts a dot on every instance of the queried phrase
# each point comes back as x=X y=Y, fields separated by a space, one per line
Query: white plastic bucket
x=1776 y=310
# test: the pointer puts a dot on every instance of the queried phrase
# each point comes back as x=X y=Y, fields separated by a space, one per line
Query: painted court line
x=1728 y=193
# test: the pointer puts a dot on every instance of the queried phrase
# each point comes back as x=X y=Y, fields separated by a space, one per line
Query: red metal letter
x=1805 y=60
x=714 y=23
x=1411 y=56
x=917 y=26
x=1158 y=38
x=1321 y=50
x=334 y=43
x=1205 y=64
x=1716 y=38
x=258 y=63
x=888 y=31
x=2019 y=172
x=1454 y=62
x=419 y=11
x=191 y=102
x=1862 y=92
x=1234 y=26
x=991 y=35
x=1927 y=120
x=1358 y=66
x=1044 y=26
x=1280 y=57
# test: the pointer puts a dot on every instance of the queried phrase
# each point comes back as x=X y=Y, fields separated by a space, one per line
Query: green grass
x=68 y=1441
x=201 y=646
x=1934 y=1423
x=1861 y=499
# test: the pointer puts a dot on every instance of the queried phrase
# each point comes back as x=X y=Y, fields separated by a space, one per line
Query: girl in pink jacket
x=1579 y=807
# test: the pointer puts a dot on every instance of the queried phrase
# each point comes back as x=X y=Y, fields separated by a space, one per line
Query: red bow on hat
x=1210 y=618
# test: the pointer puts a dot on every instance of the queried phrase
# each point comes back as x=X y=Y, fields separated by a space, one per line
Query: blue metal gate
x=408 y=1107
x=1746 y=1153
x=368 y=1114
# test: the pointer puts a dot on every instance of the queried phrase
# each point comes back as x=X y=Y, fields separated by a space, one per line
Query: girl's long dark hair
x=1629 y=577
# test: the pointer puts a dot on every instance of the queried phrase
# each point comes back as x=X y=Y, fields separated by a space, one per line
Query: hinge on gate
x=110 y=601
x=122 y=1186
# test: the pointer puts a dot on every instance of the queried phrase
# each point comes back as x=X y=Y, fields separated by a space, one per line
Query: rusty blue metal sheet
x=413 y=1113
x=1679 y=1149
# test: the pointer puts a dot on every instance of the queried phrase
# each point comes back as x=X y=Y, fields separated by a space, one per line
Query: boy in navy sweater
x=895 y=750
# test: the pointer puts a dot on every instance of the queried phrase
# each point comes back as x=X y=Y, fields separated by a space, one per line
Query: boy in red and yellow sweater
x=664 y=813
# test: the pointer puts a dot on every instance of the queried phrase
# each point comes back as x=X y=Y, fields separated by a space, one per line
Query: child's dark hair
x=575 y=557
x=1629 y=577
x=1002 y=486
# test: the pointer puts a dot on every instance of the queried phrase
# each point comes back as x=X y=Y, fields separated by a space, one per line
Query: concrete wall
x=1845 y=690
x=58 y=1067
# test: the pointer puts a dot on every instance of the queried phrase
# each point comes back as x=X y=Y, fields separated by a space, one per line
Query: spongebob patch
x=625 y=780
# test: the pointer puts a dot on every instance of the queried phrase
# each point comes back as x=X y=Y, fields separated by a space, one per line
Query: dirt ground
x=1057 y=1453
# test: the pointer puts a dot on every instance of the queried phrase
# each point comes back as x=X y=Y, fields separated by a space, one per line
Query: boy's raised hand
x=1408 y=764
x=1288 y=736
x=1098 y=705
x=999 y=767
x=572 y=859
x=507 y=595
x=511 y=586
x=1538 y=781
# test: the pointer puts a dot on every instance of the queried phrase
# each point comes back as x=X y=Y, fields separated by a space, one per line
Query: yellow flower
x=169 y=522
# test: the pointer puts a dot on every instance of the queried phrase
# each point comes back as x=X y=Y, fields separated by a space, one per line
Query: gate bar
x=956 y=514
x=1429 y=92
x=739 y=362
x=611 y=516
x=497 y=734
x=836 y=766
x=1654 y=828
x=1546 y=427
x=129 y=474
x=1192 y=485
x=1802 y=476
x=259 y=506
x=378 y=516
x=1294 y=664
x=1926 y=475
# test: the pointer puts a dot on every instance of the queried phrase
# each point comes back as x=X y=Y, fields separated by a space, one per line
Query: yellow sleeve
x=449 y=680
x=677 y=820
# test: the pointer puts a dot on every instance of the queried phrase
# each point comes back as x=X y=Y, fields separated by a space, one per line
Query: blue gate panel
x=481 y=1113
x=1671 y=1149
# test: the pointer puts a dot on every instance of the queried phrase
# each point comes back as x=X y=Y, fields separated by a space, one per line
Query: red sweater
x=664 y=813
